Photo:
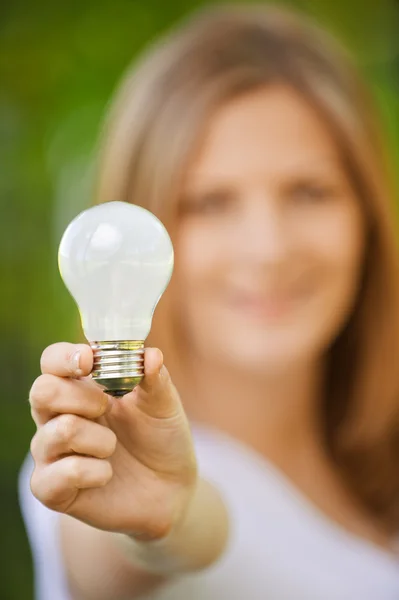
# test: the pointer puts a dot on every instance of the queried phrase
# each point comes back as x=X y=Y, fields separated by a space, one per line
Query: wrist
x=169 y=527
x=195 y=539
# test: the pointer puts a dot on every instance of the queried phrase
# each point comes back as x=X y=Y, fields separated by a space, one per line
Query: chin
x=275 y=354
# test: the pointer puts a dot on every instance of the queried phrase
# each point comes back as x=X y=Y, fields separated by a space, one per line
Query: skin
x=268 y=256
x=270 y=237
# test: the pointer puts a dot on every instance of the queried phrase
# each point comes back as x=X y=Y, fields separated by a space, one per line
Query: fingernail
x=75 y=361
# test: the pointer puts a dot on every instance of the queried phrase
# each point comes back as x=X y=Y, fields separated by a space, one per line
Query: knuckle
x=66 y=427
x=75 y=468
x=43 y=389
x=34 y=415
x=43 y=490
x=164 y=375
x=35 y=445
x=40 y=491
x=34 y=484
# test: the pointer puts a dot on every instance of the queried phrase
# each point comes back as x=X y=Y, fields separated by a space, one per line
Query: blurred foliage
x=59 y=63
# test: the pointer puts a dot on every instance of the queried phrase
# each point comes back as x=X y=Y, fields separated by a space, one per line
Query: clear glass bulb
x=116 y=259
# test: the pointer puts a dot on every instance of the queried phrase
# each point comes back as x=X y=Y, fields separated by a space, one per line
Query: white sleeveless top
x=281 y=547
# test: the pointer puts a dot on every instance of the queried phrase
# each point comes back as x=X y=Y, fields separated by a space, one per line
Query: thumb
x=154 y=370
x=156 y=395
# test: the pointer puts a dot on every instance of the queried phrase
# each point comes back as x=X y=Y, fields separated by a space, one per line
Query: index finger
x=67 y=360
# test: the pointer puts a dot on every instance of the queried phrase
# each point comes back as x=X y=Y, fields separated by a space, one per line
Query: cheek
x=197 y=275
x=338 y=237
x=199 y=264
x=202 y=255
x=339 y=246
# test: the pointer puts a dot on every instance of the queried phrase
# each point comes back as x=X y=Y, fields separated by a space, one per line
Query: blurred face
x=270 y=236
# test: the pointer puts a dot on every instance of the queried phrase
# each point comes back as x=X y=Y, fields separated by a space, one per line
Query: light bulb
x=116 y=259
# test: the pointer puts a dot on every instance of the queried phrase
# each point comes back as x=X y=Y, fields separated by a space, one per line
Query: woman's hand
x=119 y=464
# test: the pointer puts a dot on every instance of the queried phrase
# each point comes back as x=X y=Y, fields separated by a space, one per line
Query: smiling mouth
x=270 y=307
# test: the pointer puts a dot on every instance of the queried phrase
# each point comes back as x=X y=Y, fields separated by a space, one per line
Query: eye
x=310 y=192
x=205 y=204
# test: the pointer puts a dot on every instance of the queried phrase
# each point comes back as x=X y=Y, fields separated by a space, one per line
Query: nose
x=265 y=233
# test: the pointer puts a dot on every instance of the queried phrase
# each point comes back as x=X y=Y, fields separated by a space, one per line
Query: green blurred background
x=59 y=64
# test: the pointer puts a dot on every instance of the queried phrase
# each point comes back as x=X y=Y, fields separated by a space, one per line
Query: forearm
x=95 y=566
x=105 y=566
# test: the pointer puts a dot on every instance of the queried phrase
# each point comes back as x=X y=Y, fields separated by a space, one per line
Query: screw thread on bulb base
x=118 y=365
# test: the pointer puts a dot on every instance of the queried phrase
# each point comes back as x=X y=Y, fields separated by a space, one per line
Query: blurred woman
x=248 y=133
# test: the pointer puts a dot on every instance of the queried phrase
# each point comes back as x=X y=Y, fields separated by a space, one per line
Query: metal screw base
x=118 y=365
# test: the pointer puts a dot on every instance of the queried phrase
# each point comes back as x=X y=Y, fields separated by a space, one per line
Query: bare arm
x=118 y=470
x=106 y=566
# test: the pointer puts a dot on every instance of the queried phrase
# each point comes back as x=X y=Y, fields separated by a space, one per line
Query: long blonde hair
x=153 y=126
